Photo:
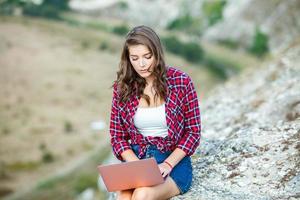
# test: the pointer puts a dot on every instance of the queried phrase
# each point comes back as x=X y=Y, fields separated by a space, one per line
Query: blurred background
x=58 y=60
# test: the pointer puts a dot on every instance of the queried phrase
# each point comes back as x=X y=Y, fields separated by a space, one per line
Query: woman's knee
x=124 y=195
x=143 y=193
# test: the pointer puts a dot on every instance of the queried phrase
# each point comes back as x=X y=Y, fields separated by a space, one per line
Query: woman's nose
x=142 y=63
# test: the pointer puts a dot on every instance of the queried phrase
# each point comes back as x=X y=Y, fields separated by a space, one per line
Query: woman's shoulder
x=116 y=90
x=176 y=76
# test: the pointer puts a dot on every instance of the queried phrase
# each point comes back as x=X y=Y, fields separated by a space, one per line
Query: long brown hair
x=128 y=80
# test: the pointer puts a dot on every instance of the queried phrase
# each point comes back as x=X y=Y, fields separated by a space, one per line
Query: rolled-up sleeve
x=119 y=136
x=192 y=120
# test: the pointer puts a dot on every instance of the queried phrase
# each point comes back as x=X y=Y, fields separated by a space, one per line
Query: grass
x=70 y=184
x=23 y=166
x=193 y=52
x=221 y=67
x=48 y=97
x=84 y=181
x=239 y=60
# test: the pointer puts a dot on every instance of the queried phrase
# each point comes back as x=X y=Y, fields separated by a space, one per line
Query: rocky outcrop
x=151 y=13
x=278 y=19
x=157 y=13
x=250 y=146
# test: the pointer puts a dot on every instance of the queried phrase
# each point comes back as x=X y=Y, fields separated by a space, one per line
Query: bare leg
x=163 y=191
x=125 y=195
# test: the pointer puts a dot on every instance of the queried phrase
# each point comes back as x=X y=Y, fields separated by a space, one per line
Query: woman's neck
x=149 y=81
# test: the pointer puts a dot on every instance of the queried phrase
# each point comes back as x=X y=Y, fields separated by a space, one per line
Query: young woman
x=155 y=113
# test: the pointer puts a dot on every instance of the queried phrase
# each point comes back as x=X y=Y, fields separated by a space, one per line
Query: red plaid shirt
x=182 y=116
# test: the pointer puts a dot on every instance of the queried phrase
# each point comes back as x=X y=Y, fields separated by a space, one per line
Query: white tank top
x=151 y=121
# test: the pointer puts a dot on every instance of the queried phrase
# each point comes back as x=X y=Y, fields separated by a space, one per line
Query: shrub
x=213 y=10
x=42 y=146
x=47 y=157
x=188 y=24
x=46 y=11
x=123 y=5
x=120 y=30
x=194 y=53
x=180 y=23
x=103 y=46
x=68 y=126
x=172 y=44
x=47 y=184
x=5 y=130
x=85 y=44
x=85 y=181
x=47 y=8
x=57 y=4
x=7 y=7
x=229 y=43
x=190 y=51
x=259 y=45
x=216 y=67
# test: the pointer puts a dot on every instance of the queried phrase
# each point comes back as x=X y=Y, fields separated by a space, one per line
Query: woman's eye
x=147 y=57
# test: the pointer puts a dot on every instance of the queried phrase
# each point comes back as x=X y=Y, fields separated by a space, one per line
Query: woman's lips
x=144 y=71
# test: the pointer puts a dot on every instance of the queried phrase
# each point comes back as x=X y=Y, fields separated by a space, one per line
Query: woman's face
x=141 y=59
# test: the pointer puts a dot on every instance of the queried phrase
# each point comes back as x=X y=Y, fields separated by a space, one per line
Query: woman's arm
x=192 y=121
x=192 y=131
x=174 y=158
x=129 y=155
x=119 y=136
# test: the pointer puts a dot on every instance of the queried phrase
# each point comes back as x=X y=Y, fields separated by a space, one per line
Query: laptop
x=129 y=175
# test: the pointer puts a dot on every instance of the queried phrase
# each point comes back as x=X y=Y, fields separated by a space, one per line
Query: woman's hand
x=165 y=169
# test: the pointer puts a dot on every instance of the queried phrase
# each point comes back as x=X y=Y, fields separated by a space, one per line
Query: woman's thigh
x=124 y=195
x=165 y=190
x=181 y=174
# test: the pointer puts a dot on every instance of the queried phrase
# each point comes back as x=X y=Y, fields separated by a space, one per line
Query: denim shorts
x=182 y=173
